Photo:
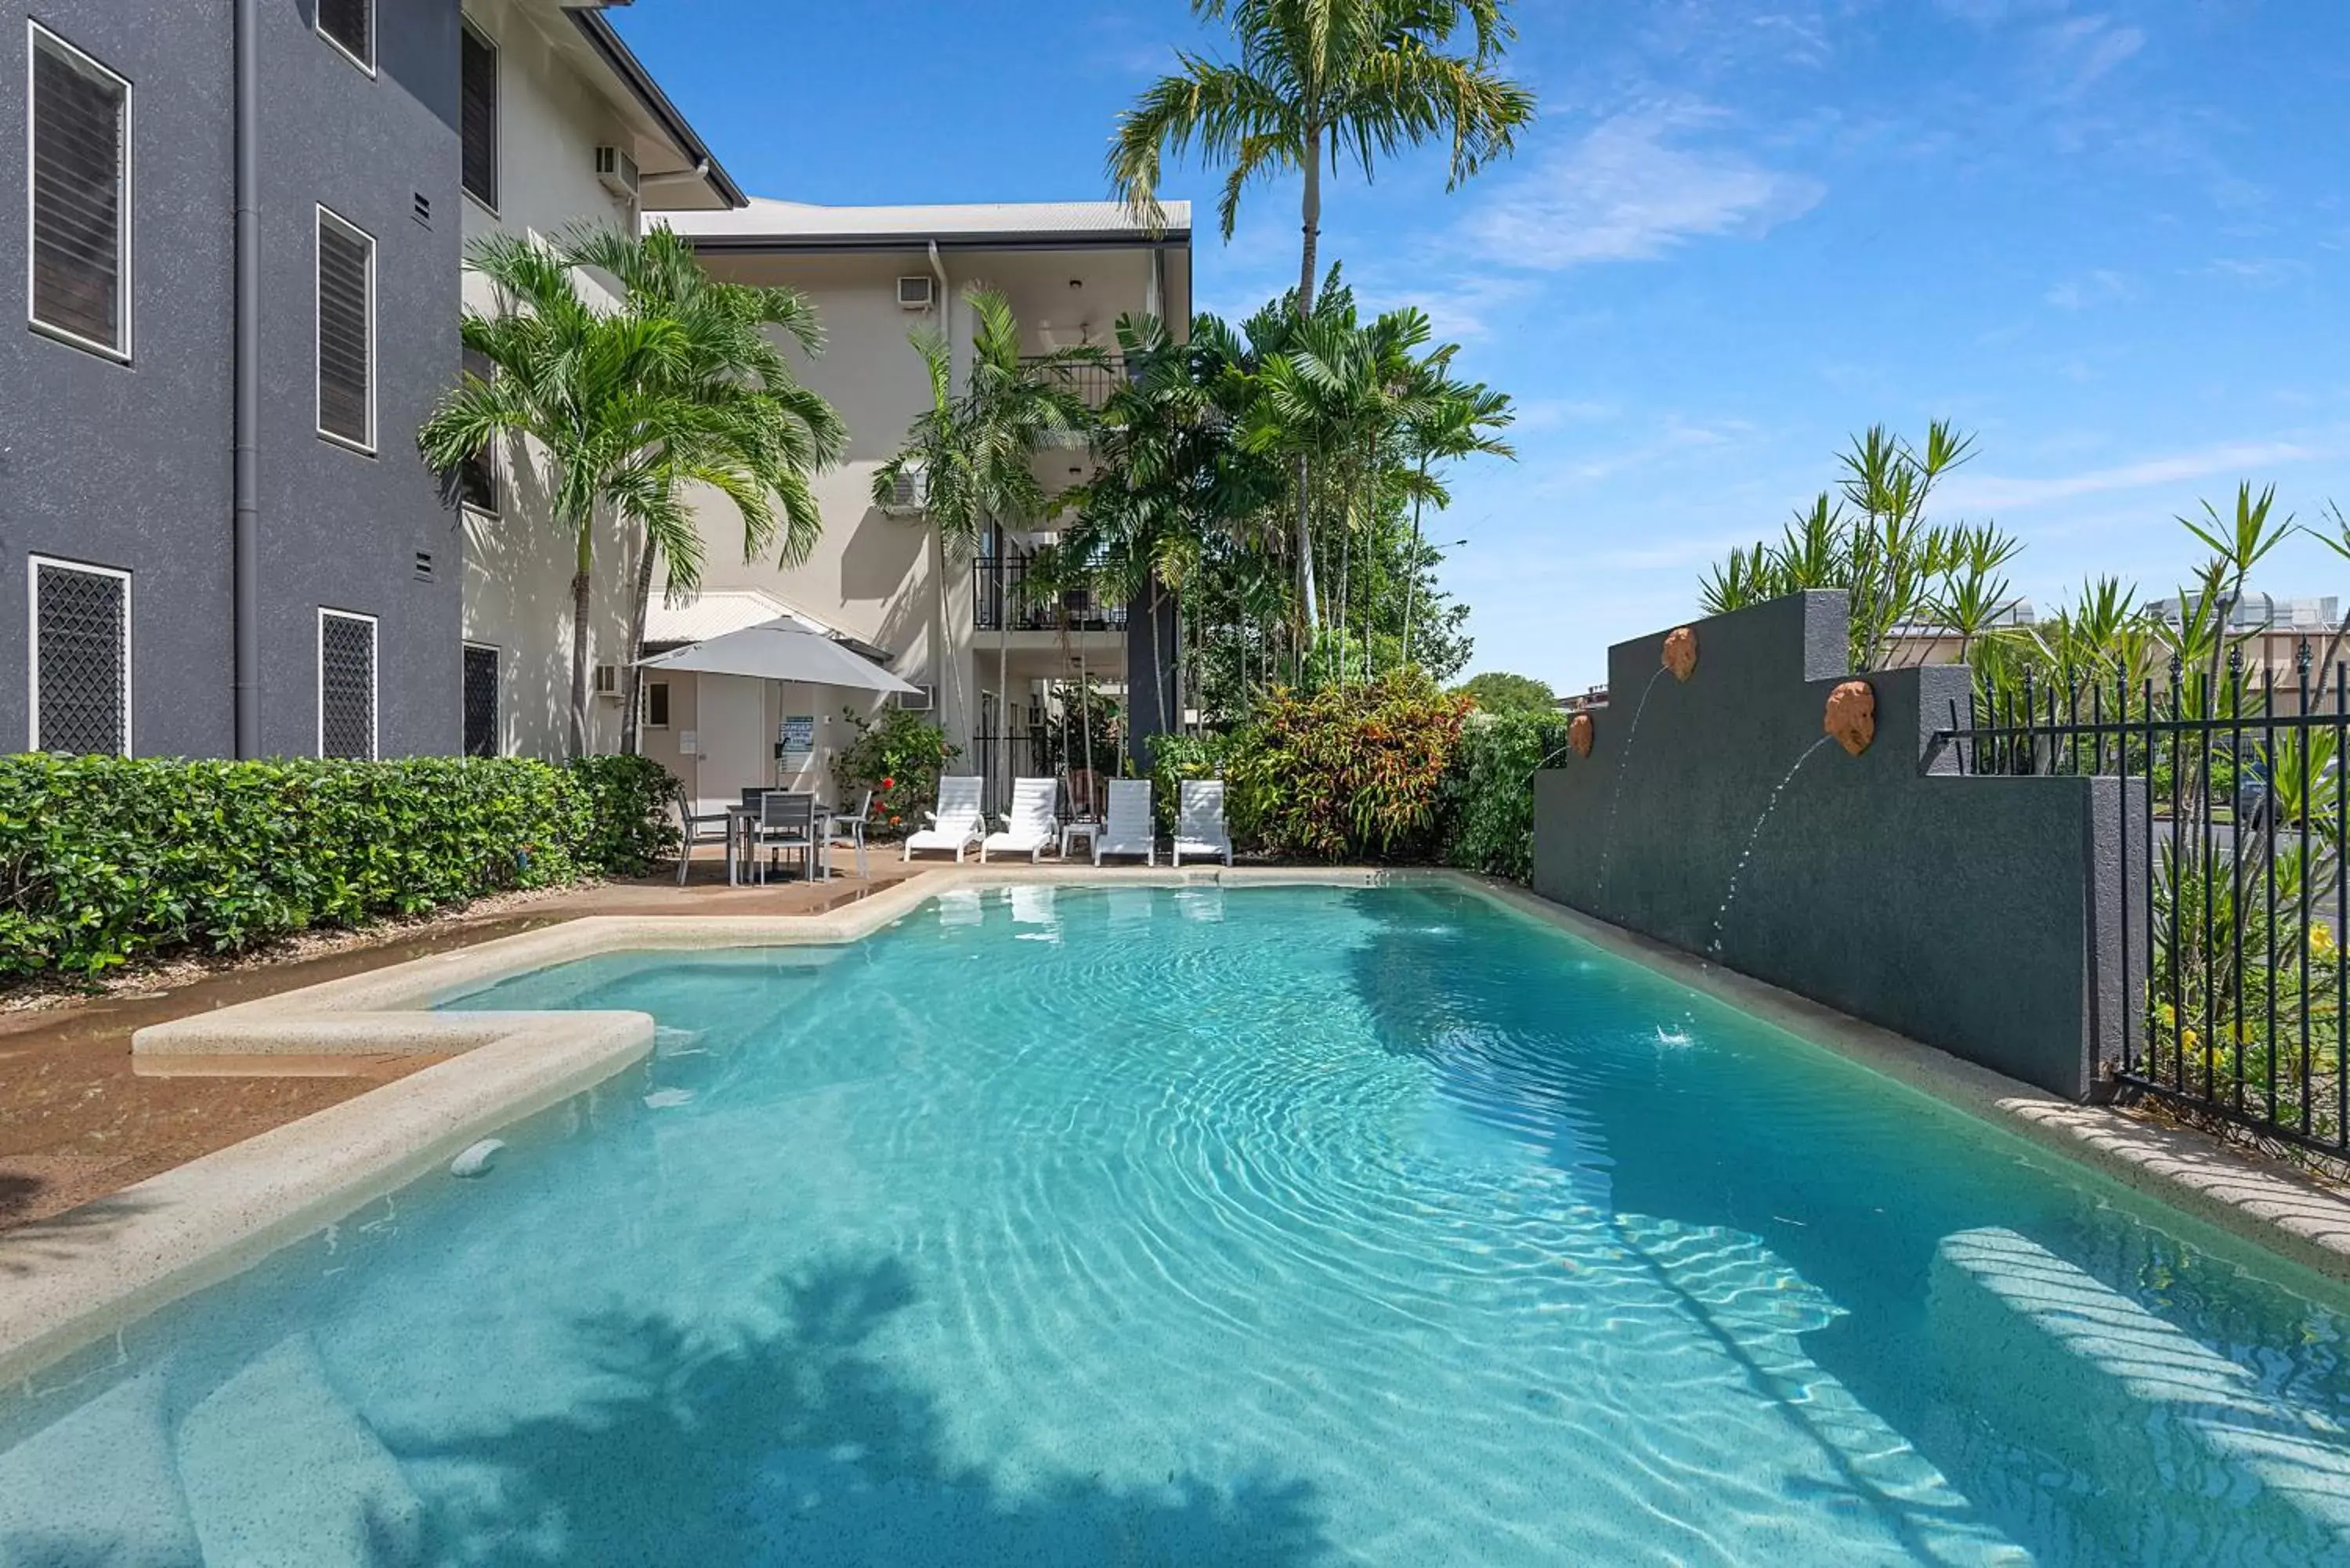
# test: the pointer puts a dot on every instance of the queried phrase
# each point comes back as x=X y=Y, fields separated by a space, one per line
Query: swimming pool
x=1275 y=1226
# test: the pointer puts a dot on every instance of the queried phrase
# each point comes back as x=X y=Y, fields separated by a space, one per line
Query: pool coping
x=92 y=1272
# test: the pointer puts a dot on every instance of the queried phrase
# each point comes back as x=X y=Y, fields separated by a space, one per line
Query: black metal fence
x=1026 y=752
x=2234 y=843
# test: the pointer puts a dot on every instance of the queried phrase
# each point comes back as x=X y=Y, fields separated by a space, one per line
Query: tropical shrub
x=1174 y=758
x=898 y=756
x=104 y=860
x=632 y=813
x=1489 y=792
x=1347 y=771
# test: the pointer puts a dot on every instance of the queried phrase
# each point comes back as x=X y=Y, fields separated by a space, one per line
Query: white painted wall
x=875 y=576
x=518 y=566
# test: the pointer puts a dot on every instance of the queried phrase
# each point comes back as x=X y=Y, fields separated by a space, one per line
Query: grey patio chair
x=786 y=821
x=850 y=830
x=704 y=822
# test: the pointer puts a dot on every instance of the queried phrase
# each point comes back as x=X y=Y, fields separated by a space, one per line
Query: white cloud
x=2258 y=269
x=2096 y=287
x=1980 y=492
x=2083 y=49
x=1633 y=188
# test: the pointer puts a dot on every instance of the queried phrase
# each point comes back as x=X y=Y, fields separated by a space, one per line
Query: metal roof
x=765 y=222
x=714 y=612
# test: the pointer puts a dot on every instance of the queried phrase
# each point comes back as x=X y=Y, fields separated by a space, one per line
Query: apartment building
x=987 y=656
x=242 y=254
x=561 y=126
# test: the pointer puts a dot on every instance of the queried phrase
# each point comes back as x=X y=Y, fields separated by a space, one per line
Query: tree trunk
x=1311 y=223
x=1411 y=583
x=1004 y=661
x=943 y=675
x=579 y=655
x=636 y=680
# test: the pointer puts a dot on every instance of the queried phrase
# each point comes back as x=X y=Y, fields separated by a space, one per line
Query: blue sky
x=2112 y=239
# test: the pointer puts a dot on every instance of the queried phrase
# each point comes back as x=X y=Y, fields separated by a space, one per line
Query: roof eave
x=1012 y=240
x=616 y=53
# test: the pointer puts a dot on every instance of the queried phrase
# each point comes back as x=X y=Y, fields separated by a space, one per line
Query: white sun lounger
x=1029 y=825
x=1130 y=830
x=1200 y=822
x=955 y=824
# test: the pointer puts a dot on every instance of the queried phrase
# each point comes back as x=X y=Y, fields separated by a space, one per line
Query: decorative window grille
x=481 y=701
x=346 y=332
x=346 y=688
x=80 y=657
x=477 y=94
x=80 y=196
x=350 y=26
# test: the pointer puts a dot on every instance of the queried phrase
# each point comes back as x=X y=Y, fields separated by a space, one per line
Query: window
x=80 y=191
x=477 y=95
x=481 y=701
x=346 y=332
x=80 y=657
x=346 y=684
x=350 y=26
x=656 y=704
x=477 y=478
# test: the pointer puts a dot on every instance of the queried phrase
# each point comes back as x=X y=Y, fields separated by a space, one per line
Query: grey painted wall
x=128 y=465
x=1981 y=915
x=342 y=529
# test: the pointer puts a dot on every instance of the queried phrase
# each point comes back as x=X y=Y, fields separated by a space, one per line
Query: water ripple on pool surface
x=1277 y=1227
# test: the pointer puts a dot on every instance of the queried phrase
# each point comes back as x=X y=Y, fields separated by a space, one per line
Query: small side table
x=1073 y=831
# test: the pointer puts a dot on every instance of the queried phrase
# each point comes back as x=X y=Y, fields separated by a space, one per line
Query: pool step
x=2088 y=1374
x=99 y=1485
x=280 y=1473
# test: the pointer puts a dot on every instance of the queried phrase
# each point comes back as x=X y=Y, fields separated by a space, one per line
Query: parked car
x=2255 y=793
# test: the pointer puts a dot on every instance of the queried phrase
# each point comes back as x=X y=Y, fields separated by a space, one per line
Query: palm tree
x=974 y=452
x=1172 y=483
x=743 y=362
x=1459 y=420
x=1335 y=80
x=618 y=406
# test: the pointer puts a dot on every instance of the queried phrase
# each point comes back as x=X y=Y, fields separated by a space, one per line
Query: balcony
x=1093 y=384
x=999 y=585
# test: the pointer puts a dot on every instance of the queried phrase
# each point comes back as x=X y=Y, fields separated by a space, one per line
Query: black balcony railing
x=1002 y=585
x=1093 y=383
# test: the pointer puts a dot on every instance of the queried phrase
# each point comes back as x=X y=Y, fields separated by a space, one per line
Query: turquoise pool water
x=1269 y=1227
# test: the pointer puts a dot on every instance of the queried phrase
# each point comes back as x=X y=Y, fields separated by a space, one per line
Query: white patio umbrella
x=780 y=650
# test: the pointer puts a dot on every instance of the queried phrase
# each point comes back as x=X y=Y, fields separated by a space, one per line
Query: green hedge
x=104 y=860
x=1489 y=795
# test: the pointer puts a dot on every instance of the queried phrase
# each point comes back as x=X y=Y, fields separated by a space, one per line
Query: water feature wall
x=1717 y=814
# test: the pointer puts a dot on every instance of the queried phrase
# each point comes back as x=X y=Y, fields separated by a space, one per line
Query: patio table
x=739 y=821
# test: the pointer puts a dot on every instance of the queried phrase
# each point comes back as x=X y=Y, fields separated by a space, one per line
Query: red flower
x=889 y=783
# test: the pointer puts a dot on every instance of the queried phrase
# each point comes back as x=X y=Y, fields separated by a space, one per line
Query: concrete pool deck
x=89 y=1272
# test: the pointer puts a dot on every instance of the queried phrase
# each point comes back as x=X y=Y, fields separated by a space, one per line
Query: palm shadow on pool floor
x=796 y=1443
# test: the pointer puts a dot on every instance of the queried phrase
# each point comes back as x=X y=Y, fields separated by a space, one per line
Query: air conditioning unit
x=907 y=496
x=608 y=681
x=917 y=292
x=917 y=701
x=618 y=170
